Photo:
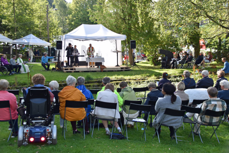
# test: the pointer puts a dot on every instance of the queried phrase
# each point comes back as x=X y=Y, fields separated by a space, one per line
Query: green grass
x=101 y=143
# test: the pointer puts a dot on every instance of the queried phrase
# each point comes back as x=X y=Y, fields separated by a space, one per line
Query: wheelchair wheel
x=20 y=136
x=54 y=135
x=4 y=70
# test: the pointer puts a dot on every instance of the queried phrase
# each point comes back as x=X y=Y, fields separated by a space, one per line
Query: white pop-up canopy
x=93 y=32
x=31 y=40
x=104 y=41
x=4 y=39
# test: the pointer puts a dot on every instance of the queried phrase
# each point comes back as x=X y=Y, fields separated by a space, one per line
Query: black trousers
x=69 y=59
x=46 y=66
x=171 y=129
x=76 y=59
x=16 y=68
x=9 y=68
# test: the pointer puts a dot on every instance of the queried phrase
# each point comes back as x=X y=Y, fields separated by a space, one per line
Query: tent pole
x=117 y=53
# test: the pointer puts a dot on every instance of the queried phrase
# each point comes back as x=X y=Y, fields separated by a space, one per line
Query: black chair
x=94 y=91
x=127 y=103
x=212 y=113
x=171 y=112
x=56 y=104
x=6 y=104
x=105 y=105
x=185 y=102
x=196 y=102
x=138 y=107
x=143 y=89
x=227 y=111
x=189 y=121
x=119 y=89
x=15 y=92
x=76 y=105
x=91 y=102
x=152 y=111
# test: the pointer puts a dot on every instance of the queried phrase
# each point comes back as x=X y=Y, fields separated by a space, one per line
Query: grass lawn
x=100 y=142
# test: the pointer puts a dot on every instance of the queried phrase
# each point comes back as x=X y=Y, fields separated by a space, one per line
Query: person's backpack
x=118 y=136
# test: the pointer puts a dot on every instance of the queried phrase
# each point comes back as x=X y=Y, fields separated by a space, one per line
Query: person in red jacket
x=5 y=95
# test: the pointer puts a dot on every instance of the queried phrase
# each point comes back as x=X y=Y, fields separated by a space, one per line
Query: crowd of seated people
x=165 y=95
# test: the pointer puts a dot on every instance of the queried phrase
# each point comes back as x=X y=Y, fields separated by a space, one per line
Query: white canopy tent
x=5 y=39
x=31 y=40
x=105 y=42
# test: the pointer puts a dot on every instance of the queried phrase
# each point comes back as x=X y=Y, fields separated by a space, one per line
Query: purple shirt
x=4 y=61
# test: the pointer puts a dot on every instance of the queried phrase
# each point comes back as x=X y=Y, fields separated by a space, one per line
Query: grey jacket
x=161 y=105
x=12 y=61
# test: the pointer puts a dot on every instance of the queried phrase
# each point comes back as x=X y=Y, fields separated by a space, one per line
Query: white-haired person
x=205 y=82
x=54 y=86
x=224 y=92
x=24 y=67
x=180 y=91
x=220 y=75
x=71 y=93
x=189 y=82
x=109 y=96
x=5 y=95
x=87 y=93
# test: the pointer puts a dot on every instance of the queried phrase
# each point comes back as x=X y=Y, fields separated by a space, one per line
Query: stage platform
x=94 y=69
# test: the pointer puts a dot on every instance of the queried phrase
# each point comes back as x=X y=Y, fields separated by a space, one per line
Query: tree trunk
x=129 y=34
x=219 y=50
x=197 y=48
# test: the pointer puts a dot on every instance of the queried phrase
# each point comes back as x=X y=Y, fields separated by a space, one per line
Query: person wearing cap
x=69 y=54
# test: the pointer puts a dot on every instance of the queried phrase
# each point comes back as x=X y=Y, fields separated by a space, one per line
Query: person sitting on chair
x=223 y=94
x=108 y=95
x=44 y=61
x=189 y=82
x=24 y=67
x=106 y=80
x=72 y=94
x=54 y=86
x=189 y=59
x=214 y=104
x=226 y=65
x=7 y=64
x=171 y=101
x=174 y=61
x=15 y=65
x=164 y=80
x=153 y=95
x=5 y=95
x=87 y=93
x=199 y=59
x=127 y=93
x=183 y=60
x=180 y=91
x=205 y=82
x=220 y=75
x=207 y=59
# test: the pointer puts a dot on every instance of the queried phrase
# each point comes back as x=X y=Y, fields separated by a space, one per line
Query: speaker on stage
x=132 y=44
x=58 y=44
x=53 y=52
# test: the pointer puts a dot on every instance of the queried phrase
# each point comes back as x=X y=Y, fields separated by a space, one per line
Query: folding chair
x=138 y=107
x=189 y=121
x=91 y=102
x=152 y=104
x=171 y=112
x=196 y=102
x=15 y=92
x=212 y=113
x=105 y=105
x=94 y=91
x=74 y=104
x=185 y=102
x=6 y=104
x=143 y=89
x=127 y=103
x=227 y=111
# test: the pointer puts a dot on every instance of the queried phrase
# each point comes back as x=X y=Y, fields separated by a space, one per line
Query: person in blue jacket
x=189 y=82
x=87 y=93
x=226 y=65
x=44 y=61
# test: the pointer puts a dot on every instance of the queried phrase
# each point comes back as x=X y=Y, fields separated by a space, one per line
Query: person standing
x=15 y=65
x=90 y=53
x=6 y=64
x=44 y=61
x=24 y=67
x=226 y=65
x=76 y=55
x=69 y=54
x=31 y=54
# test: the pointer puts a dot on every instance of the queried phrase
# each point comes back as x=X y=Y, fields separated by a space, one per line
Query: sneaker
x=14 y=135
x=10 y=128
x=108 y=133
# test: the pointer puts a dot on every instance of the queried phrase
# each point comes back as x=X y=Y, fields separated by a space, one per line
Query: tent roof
x=93 y=32
x=31 y=40
x=4 y=39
